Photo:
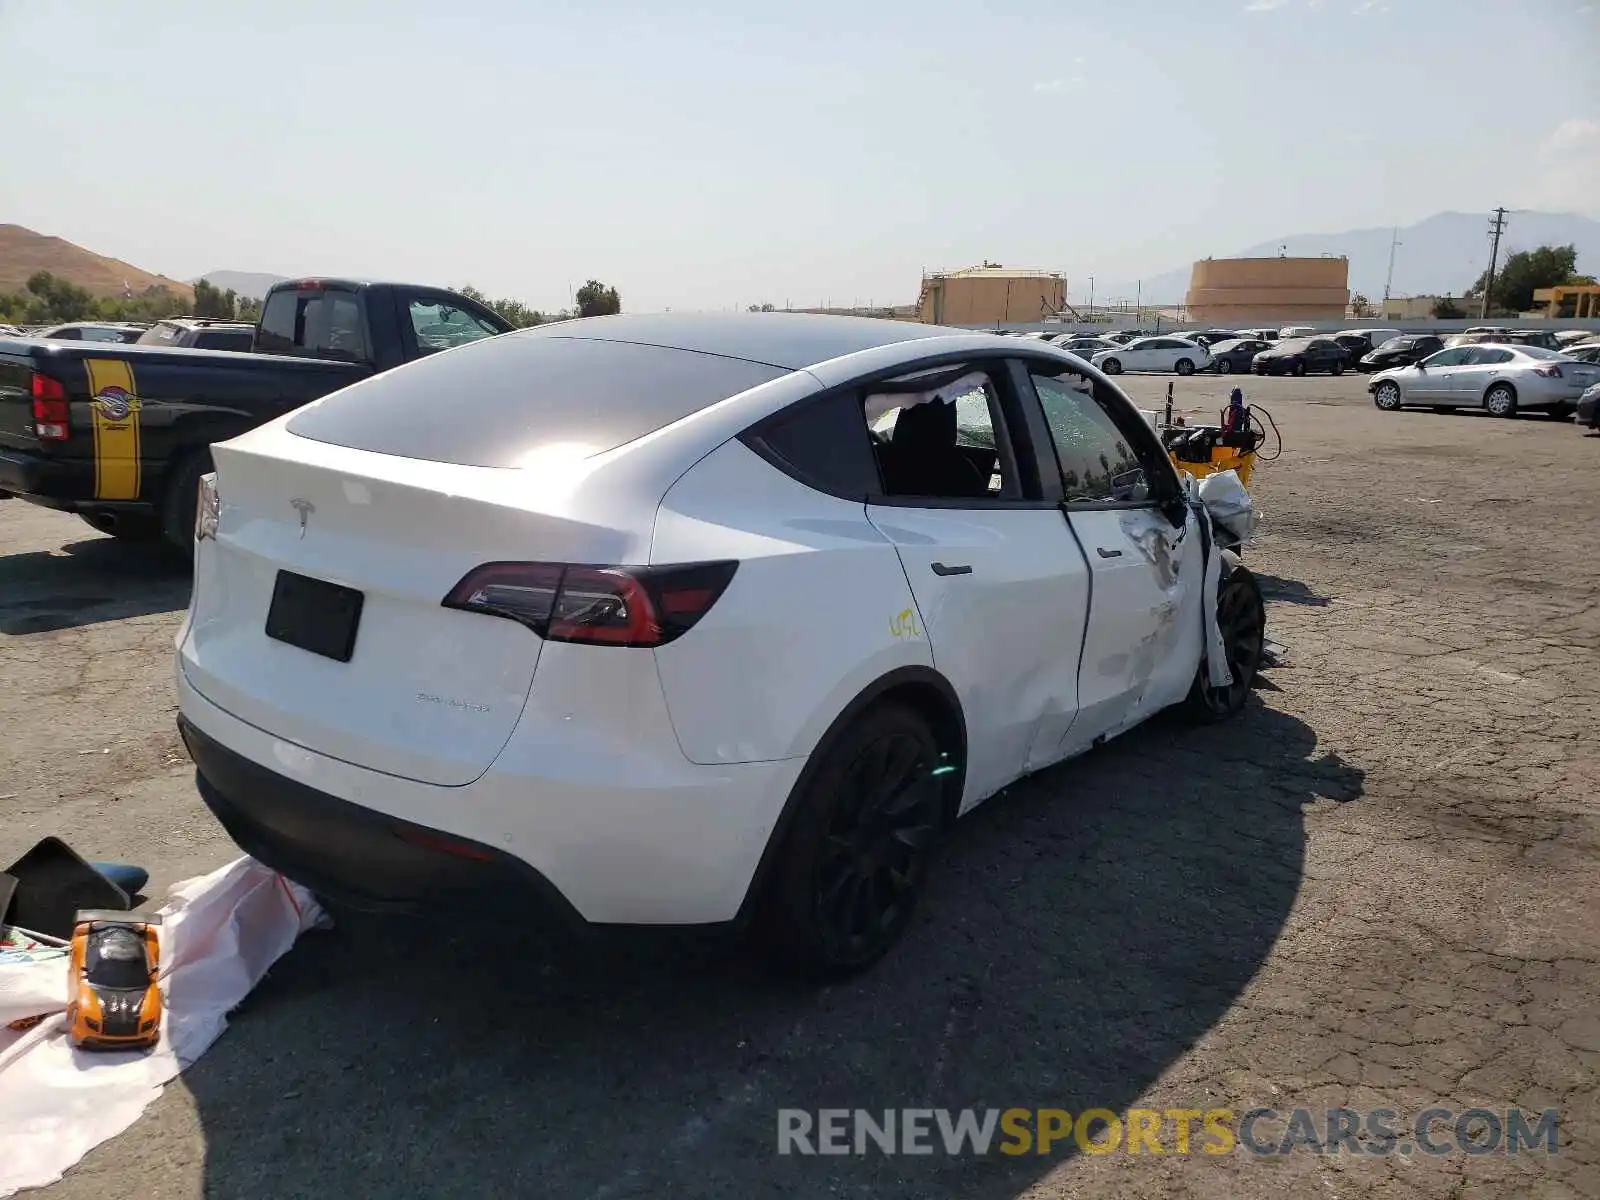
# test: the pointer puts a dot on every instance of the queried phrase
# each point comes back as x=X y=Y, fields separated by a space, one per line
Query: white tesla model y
x=688 y=619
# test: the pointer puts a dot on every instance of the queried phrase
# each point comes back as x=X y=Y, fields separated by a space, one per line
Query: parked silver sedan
x=1498 y=378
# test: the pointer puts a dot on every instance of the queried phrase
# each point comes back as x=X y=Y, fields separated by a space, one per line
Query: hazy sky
x=727 y=153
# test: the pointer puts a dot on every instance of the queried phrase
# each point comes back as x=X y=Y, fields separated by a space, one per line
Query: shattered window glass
x=1097 y=464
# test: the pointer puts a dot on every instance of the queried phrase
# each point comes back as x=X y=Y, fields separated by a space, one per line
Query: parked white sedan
x=1500 y=379
x=688 y=619
x=1154 y=354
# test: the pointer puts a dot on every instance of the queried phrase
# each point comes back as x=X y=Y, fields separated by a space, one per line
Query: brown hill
x=23 y=252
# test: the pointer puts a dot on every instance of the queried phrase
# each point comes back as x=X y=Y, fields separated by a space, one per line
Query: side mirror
x=1420 y=366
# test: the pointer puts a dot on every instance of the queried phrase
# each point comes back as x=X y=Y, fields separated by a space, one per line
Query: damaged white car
x=688 y=620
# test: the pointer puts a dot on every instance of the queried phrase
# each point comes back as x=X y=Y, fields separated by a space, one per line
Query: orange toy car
x=113 y=971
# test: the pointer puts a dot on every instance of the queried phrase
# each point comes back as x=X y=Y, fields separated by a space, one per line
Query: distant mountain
x=24 y=252
x=1443 y=254
x=252 y=284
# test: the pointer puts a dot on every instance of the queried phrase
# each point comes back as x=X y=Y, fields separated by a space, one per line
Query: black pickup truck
x=122 y=434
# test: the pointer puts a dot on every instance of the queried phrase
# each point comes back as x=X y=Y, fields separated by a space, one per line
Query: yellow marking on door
x=116 y=442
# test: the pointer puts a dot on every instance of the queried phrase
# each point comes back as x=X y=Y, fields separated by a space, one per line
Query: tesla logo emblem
x=305 y=508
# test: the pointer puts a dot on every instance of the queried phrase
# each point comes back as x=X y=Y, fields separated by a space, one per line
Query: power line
x=1496 y=228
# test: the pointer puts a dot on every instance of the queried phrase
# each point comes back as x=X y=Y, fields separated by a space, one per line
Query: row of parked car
x=198 y=333
x=1295 y=350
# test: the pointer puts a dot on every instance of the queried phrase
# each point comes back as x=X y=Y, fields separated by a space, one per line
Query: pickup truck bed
x=117 y=461
x=121 y=434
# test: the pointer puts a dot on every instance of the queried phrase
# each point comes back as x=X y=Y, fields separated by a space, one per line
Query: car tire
x=1111 y=366
x=1224 y=367
x=1338 y=368
x=1242 y=614
x=1387 y=396
x=1501 y=400
x=1298 y=368
x=139 y=527
x=856 y=855
x=1183 y=367
x=181 y=499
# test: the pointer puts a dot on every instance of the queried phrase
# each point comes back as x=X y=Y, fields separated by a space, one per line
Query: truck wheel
x=128 y=528
x=179 y=503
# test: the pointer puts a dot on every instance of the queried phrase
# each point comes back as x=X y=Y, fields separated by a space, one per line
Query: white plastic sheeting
x=1229 y=504
x=1218 y=673
x=219 y=934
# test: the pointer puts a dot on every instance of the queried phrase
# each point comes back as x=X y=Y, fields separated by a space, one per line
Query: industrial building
x=1580 y=300
x=1236 y=291
x=990 y=295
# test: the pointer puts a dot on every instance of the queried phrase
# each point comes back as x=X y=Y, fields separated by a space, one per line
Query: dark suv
x=1301 y=356
x=1402 y=351
x=200 y=333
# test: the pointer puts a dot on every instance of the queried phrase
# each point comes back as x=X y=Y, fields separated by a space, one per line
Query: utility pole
x=1388 y=280
x=1091 y=297
x=1496 y=228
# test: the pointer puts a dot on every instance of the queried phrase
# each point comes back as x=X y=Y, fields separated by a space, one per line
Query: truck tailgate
x=16 y=401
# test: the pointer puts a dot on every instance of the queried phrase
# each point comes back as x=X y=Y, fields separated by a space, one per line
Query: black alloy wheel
x=1242 y=619
x=857 y=857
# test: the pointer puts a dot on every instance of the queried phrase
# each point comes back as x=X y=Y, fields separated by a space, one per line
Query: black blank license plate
x=315 y=615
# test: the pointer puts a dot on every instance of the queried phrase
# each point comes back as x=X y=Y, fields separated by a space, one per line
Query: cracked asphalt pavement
x=1377 y=889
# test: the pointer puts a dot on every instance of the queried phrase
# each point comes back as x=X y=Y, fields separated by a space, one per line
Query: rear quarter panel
x=818 y=610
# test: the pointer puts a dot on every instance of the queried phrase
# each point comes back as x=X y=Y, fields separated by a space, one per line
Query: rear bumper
x=355 y=855
x=599 y=838
x=25 y=474
x=64 y=484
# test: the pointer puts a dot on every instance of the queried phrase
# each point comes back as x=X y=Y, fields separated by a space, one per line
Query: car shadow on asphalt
x=1290 y=591
x=83 y=583
x=1082 y=933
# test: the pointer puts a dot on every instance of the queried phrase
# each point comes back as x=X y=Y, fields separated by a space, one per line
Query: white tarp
x=219 y=934
x=1229 y=504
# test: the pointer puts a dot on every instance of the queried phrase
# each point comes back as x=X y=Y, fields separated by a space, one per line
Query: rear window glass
x=500 y=401
x=159 y=335
x=225 y=339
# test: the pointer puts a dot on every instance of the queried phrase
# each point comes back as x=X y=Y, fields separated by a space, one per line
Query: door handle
x=1104 y=553
x=940 y=569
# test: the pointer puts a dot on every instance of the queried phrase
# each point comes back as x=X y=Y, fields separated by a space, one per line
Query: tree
x=1360 y=305
x=595 y=299
x=1522 y=272
x=1446 y=309
x=515 y=312
x=211 y=301
x=57 y=299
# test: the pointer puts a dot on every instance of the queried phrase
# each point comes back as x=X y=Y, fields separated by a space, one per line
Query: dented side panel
x=1144 y=635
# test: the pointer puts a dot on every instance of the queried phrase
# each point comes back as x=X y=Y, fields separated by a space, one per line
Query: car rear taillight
x=609 y=606
x=207 y=508
x=1548 y=372
x=50 y=417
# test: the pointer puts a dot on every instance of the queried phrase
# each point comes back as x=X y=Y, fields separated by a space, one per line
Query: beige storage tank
x=1237 y=291
x=990 y=295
